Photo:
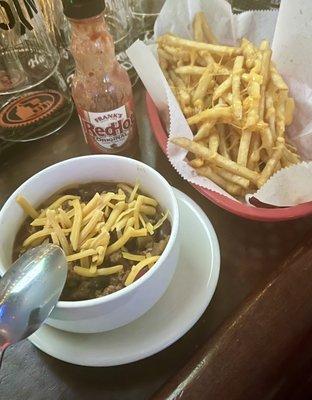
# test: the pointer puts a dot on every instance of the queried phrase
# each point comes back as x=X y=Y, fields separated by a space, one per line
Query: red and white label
x=107 y=131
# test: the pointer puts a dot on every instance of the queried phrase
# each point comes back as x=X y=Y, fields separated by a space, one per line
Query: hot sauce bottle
x=101 y=87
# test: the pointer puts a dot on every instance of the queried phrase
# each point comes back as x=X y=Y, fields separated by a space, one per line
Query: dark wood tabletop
x=250 y=252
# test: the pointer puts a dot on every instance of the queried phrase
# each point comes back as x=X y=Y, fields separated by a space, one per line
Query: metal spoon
x=29 y=290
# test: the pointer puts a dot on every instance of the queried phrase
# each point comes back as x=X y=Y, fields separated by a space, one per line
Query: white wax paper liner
x=298 y=180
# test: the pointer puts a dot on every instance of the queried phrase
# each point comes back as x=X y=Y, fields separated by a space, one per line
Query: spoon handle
x=2 y=350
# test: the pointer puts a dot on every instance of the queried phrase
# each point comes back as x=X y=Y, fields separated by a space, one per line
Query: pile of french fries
x=236 y=103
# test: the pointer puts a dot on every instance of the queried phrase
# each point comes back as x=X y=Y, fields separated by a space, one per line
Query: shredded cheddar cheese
x=90 y=233
x=138 y=267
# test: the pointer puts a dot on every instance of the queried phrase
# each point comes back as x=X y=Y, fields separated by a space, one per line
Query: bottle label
x=107 y=131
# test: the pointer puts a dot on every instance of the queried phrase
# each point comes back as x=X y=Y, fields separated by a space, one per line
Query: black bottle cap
x=81 y=9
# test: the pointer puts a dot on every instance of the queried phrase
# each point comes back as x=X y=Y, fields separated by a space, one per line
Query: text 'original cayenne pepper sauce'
x=101 y=88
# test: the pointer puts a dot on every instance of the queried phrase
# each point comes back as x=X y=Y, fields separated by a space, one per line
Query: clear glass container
x=119 y=21
x=59 y=33
x=144 y=14
x=34 y=98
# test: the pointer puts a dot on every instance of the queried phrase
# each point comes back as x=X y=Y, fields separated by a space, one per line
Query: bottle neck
x=92 y=45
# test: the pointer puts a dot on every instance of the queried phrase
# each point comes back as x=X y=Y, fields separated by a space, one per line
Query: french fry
x=280 y=114
x=243 y=150
x=163 y=62
x=184 y=97
x=223 y=146
x=238 y=180
x=267 y=140
x=191 y=45
x=164 y=56
x=172 y=86
x=193 y=56
x=177 y=53
x=265 y=71
x=177 y=81
x=221 y=70
x=270 y=111
x=213 y=141
x=211 y=114
x=196 y=162
x=234 y=140
x=208 y=101
x=220 y=161
x=204 y=131
x=234 y=149
x=198 y=29
x=205 y=57
x=249 y=52
x=198 y=106
x=208 y=34
x=236 y=81
x=203 y=84
x=254 y=94
x=277 y=80
x=208 y=172
x=255 y=147
x=289 y=110
x=188 y=111
x=190 y=70
x=189 y=82
x=258 y=64
x=224 y=87
x=272 y=163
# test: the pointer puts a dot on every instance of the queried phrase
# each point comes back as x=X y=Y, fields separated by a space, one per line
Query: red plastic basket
x=243 y=210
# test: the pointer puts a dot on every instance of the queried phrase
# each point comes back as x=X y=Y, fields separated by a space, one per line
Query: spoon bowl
x=29 y=290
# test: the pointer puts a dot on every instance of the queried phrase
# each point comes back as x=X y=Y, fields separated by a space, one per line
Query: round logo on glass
x=30 y=108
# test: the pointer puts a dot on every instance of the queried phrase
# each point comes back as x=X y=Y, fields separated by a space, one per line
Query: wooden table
x=250 y=251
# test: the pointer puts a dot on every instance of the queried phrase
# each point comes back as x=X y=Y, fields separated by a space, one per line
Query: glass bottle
x=101 y=88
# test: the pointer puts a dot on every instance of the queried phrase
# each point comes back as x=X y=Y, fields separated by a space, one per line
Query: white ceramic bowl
x=122 y=307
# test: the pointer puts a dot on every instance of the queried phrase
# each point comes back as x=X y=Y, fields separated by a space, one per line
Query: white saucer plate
x=184 y=302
